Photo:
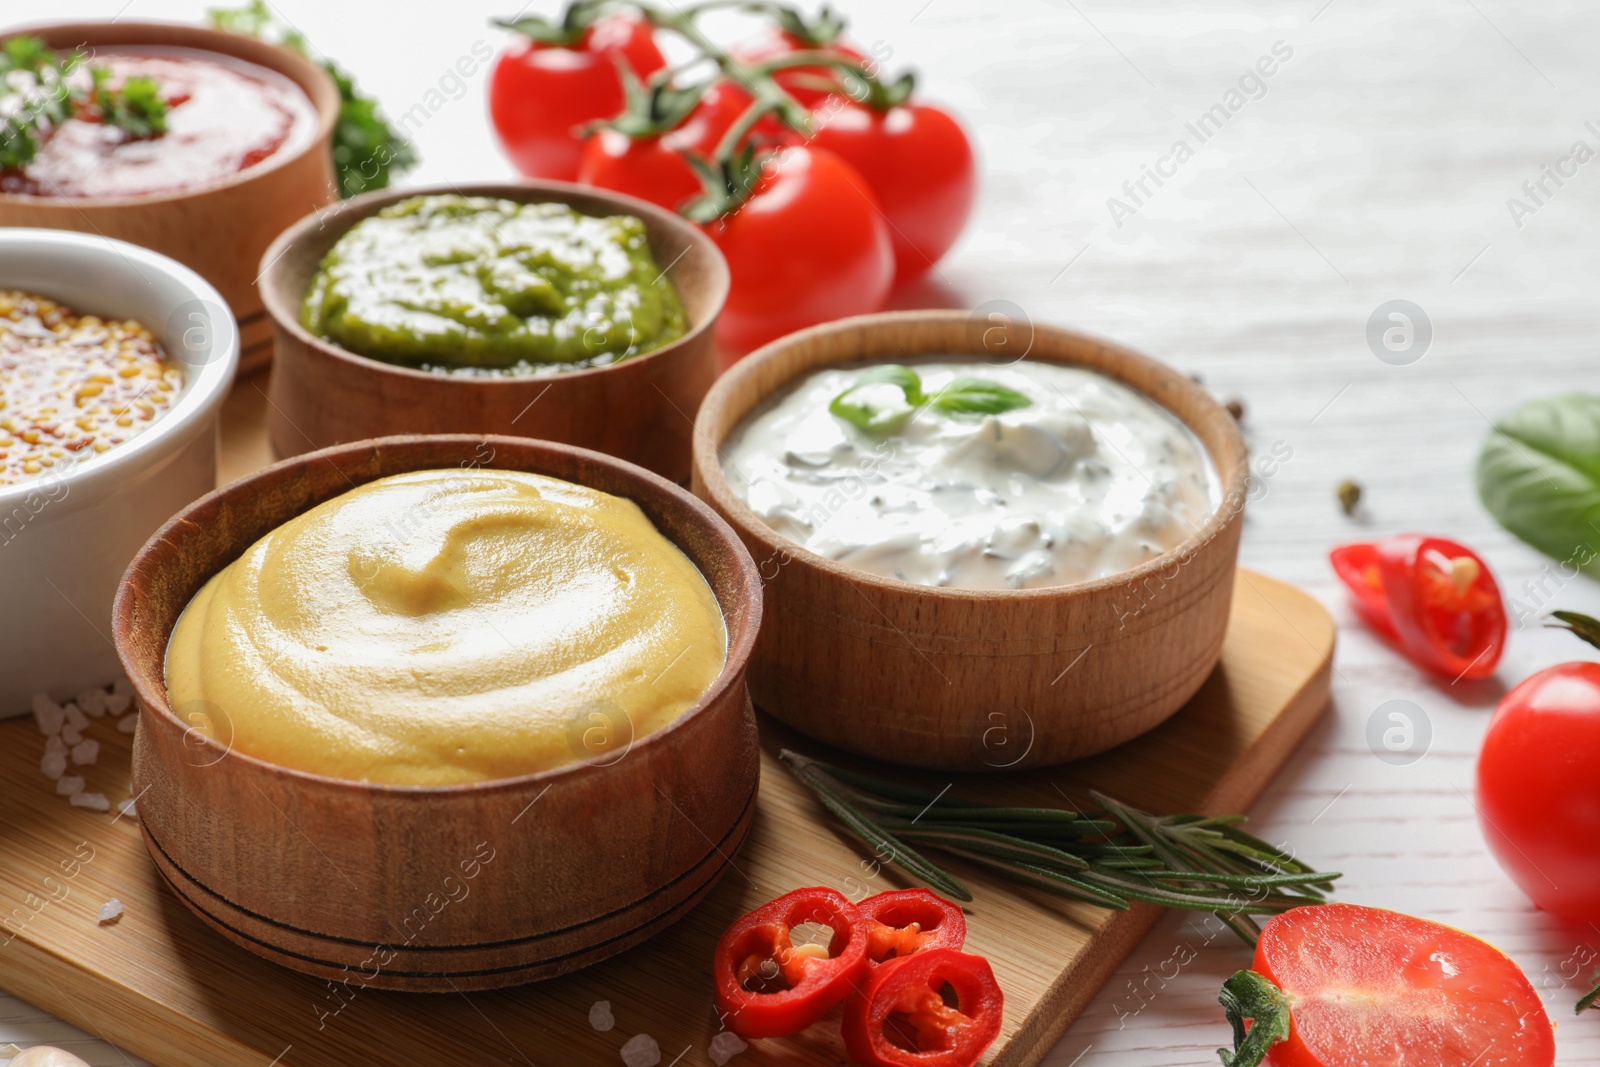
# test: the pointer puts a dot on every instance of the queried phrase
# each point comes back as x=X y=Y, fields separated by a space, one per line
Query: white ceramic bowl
x=65 y=539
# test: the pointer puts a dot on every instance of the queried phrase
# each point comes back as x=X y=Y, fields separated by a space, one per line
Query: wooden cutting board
x=159 y=984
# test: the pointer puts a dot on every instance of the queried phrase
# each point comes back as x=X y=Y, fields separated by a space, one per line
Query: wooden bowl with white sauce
x=977 y=679
x=451 y=887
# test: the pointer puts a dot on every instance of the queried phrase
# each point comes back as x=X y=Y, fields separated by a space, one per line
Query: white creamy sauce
x=1090 y=479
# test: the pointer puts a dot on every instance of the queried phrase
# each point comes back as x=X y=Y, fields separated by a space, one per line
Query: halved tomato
x=1364 y=987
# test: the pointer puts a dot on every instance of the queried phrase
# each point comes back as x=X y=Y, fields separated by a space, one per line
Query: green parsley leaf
x=368 y=152
x=136 y=108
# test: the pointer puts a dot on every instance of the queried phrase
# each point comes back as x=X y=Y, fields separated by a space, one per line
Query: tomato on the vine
x=1539 y=789
x=921 y=168
x=720 y=107
x=810 y=245
x=808 y=85
x=655 y=167
x=649 y=168
x=1337 y=985
x=541 y=94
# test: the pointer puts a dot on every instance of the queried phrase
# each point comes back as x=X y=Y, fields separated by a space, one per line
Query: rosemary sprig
x=1111 y=857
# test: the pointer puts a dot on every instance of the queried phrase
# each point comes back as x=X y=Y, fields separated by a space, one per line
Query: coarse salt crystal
x=600 y=1016
x=54 y=764
x=117 y=703
x=127 y=807
x=111 y=910
x=725 y=1046
x=641 y=1050
x=95 y=801
x=75 y=717
x=87 y=752
x=126 y=724
x=69 y=785
x=71 y=734
x=93 y=702
x=48 y=714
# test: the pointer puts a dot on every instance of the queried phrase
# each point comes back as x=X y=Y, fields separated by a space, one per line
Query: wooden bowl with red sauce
x=247 y=190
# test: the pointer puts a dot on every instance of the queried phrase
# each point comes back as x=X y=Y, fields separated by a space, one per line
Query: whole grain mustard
x=73 y=386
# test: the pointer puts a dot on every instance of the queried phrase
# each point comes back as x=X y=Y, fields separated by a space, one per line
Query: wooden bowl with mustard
x=540 y=309
x=985 y=546
x=245 y=152
x=442 y=712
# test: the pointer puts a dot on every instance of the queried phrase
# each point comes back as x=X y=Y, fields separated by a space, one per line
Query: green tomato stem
x=1250 y=996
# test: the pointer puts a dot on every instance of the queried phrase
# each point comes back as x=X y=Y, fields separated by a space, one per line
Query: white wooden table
x=1375 y=164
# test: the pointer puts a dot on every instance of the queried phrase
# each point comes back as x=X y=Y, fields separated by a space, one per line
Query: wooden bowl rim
x=336 y=220
x=1232 y=472
x=741 y=641
x=312 y=80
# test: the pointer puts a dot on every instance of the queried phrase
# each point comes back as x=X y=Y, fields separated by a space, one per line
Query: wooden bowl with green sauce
x=445 y=887
x=429 y=341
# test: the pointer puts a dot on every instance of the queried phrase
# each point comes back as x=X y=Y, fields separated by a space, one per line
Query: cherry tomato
x=910 y=920
x=1434 y=596
x=765 y=985
x=1539 y=789
x=541 y=95
x=655 y=168
x=920 y=166
x=802 y=83
x=720 y=107
x=1367 y=986
x=902 y=1019
x=646 y=167
x=809 y=246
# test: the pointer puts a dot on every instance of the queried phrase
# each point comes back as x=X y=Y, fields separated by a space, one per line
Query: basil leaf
x=975 y=396
x=872 y=418
x=1539 y=476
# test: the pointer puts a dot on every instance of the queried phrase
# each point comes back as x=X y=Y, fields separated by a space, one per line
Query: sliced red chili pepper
x=902 y=1017
x=1357 y=567
x=910 y=920
x=1436 y=597
x=767 y=986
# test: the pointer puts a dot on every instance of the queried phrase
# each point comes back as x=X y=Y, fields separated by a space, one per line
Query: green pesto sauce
x=474 y=285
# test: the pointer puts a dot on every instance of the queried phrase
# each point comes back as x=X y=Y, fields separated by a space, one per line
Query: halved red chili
x=1434 y=596
x=903 y=1017
x=909 y=920
x=766 y=985
x=1357 y=567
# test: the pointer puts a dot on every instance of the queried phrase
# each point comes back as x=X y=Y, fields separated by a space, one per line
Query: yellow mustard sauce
x=448 y=626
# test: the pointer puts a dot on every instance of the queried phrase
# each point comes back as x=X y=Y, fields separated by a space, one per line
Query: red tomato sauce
x=224 y=116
